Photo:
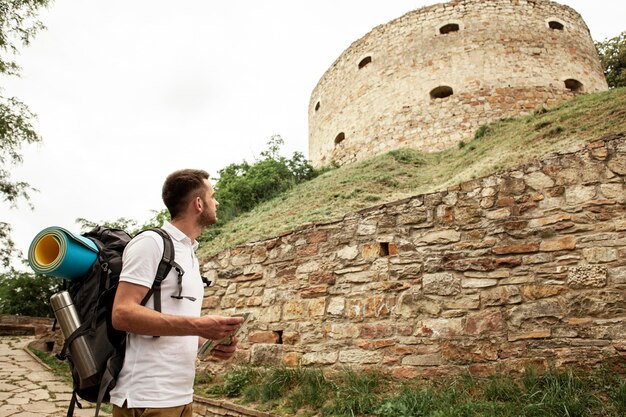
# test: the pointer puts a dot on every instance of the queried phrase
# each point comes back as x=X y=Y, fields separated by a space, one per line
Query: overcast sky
x=128 y=91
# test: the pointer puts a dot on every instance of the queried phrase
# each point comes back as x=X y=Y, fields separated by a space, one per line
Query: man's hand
x=217 y=327
x=225 y=352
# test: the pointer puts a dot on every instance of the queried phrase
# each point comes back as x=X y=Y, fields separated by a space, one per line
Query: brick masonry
x=504 y=61
x=524 y=267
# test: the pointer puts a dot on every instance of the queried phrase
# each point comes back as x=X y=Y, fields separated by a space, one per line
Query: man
x=157 y=377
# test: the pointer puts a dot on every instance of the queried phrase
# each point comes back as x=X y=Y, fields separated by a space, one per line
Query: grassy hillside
x=398 y=174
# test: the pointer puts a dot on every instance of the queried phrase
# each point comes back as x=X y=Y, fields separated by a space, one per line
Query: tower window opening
x=365 y=61
x=317 y=106
x=553 y=24
x=442 y=91
x=340 y=138
x=574 y=86
x=449 y=28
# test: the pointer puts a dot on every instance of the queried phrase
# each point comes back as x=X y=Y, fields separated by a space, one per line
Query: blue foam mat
x=60 y=253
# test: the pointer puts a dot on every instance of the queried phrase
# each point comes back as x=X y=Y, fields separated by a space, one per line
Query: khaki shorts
x=182 y=411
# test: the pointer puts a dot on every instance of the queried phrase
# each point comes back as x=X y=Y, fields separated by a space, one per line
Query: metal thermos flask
x=68 y=319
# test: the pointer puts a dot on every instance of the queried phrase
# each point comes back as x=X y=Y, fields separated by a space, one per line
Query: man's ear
x=199 y=204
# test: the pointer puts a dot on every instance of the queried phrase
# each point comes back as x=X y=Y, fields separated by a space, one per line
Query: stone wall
x=525 y=267
x=23 y=325
x=504 y=60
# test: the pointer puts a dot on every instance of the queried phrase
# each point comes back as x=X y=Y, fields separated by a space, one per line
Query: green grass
x=407 y=172
x=58 y=367
x=348 y=393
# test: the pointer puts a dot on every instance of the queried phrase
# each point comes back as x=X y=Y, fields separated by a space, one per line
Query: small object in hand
x=208 y=346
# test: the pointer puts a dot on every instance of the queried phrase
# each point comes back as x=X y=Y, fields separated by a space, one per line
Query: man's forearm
x=142 y=320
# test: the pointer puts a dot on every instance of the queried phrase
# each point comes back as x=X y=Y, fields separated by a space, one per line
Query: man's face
x=209 y=214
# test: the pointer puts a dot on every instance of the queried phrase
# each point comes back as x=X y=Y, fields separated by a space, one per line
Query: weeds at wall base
x=310 y=391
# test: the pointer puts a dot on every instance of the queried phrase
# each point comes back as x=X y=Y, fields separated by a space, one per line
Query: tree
x=27 y=294
x=241 y=187
x=612 y=54
x=18 y=25
x=131 y=226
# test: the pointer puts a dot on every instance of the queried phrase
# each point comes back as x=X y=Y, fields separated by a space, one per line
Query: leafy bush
x=612 y=54
x=241 y=187
x=27 y=294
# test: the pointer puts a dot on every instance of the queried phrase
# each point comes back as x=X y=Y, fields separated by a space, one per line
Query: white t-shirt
x=159 y=372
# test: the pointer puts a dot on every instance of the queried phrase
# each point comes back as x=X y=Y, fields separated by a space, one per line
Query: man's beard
x=205 y=219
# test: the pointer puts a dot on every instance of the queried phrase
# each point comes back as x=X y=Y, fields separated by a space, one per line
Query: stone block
x=538 y=181
x=263 y=354
x=512 y=186
x=348 y=252
x=439 y=237
x=263 y=337
x=313 y=292
x=617 y=164
x=439 y=328
x=322 y=277
x=465 y=302
x=375 y=344
x=308 y=250
x=318 y=236
x=416 y=216
x=550 y=308
x=316 y=307
x=535 y=334
x=587 y=276
x=272 y=313
x=489 y=321
x=443 y=283
x=358 y=356
x=614 y=191
x=336 y=306
x=478 y=282
x=341 y=330
x=516 y=248
x=308 y=267
x=259 y=254
x=376 y=306
x=293 y=310
x=498 y=214
x=463 y=352
x=432 y=359
x=370 y=251
x=376 y=331
x=579 y=194
x=359 y=277
x=600 y=255
x=292 y=359
x=501 y=295
x=535 y=291
x=366 y=228
x=211 y=302
x=605 y=303
x=412 y=304
x=319 y=358
x=558 y=244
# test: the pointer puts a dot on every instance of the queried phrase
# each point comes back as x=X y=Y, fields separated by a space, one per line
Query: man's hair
x=181 y=187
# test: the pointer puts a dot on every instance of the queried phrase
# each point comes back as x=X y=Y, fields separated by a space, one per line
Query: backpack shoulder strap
x=164 y=268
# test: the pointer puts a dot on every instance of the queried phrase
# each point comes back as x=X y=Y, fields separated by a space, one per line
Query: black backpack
x=93 y=297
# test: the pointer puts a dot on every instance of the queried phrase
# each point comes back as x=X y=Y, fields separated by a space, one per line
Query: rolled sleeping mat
x=58 y=252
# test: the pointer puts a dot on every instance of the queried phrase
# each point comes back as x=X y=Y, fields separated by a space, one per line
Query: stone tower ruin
x=430 y=78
